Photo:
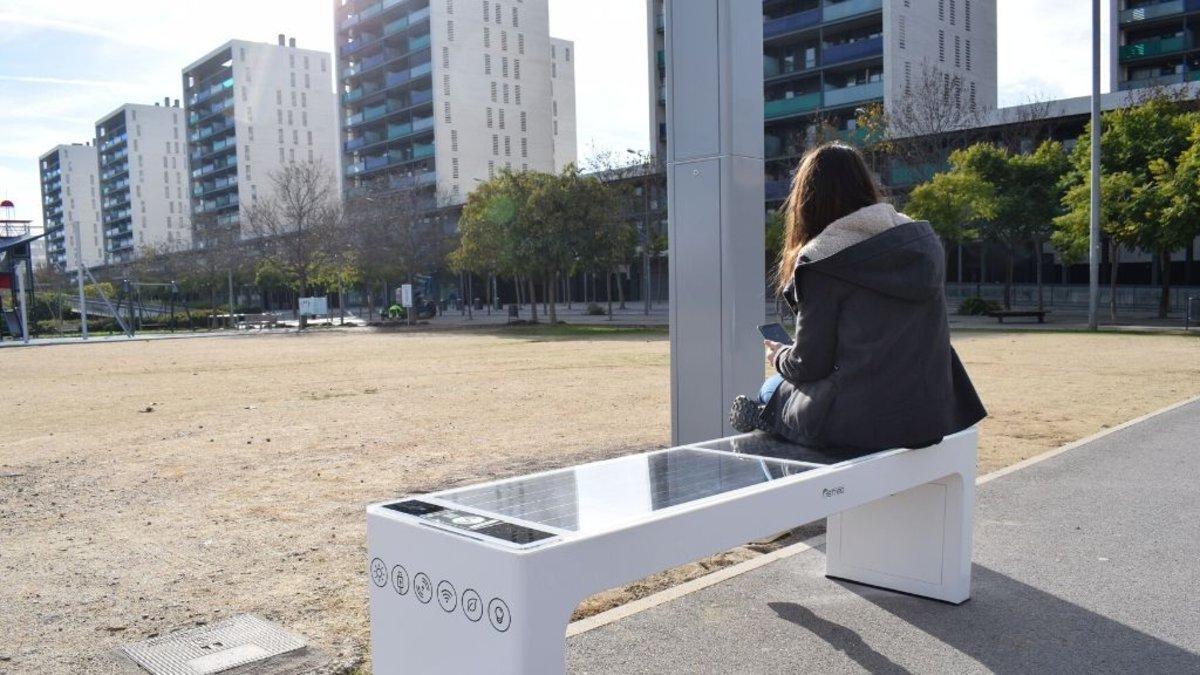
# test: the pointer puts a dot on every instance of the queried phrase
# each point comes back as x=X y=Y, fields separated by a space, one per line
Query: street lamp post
x=1094 y=226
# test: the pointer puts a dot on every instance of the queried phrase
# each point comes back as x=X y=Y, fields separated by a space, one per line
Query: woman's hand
x=772 y=350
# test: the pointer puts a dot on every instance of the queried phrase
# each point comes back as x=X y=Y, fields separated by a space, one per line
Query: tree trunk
x=1037 y=254
x=1164 y=299
x=570 y=290
x=552 y=297
x=1113 y=255
x=982 y=269
x=303 y=322
x=533 y=316
x=520 y=297
x=620 y=291
x=646 y=281
x=608 y=291
x=1008 y=276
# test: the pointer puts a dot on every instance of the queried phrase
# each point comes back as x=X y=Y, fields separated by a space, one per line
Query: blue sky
x=64 y=64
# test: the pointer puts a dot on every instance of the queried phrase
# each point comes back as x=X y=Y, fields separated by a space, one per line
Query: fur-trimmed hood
x=852 y=229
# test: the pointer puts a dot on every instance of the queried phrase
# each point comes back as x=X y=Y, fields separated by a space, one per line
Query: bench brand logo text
x=833 y=492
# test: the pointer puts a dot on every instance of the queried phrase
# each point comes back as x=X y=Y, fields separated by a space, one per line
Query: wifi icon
x=447 y=596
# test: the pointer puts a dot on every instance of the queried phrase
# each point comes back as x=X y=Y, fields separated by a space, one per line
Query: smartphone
x=775 y=332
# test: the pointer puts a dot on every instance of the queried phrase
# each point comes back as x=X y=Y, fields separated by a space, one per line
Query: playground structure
x=16 y=271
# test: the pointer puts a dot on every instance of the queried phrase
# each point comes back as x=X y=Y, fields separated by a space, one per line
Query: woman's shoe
x=745 y=415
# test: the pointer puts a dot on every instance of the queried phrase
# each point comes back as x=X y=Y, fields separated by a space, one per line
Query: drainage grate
x=211 y=649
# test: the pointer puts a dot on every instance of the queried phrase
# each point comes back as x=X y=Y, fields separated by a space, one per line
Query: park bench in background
x=484 y=578
x=1002 y=314
x=258 y=320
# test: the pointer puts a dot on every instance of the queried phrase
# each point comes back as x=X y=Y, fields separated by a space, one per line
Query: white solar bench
x=484 y=578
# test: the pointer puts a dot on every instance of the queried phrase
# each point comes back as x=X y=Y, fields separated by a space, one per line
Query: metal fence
x=1075 y=297
x=1192 y=317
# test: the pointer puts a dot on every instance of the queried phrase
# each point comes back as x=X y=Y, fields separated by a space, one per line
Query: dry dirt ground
x=152 y=486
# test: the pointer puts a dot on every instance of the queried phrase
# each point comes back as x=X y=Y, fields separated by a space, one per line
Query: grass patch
x=582 y=331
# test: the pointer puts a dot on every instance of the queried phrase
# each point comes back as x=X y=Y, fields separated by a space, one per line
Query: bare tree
x=296 y=225
x=395 y=235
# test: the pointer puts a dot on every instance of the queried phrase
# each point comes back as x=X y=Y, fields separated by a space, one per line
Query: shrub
x=977 y=307
x=396 y=312
x=595 y=310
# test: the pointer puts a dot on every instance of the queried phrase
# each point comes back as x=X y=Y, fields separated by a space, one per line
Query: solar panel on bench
x=605 y=494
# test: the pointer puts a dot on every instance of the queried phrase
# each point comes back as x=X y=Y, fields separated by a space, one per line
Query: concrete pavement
x=1086 y=562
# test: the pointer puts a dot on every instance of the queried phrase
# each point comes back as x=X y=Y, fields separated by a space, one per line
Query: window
x=454 y=140
x=307 y=81
x=972 y=99
x=293 y=98
x=487 y=64
x=503 y=40
x=486 y=7
x=454 y=167
x=310 y=137
x=517 y=94
x=524 y=147
x=487 y=37
x=501 y=118
x=516 y=69
x=555 y=127
x=901 y=32
x=279 y=96
x=508 y=146
x=568 y=54
x=489 y=118
x=968 y=54
x=446 y=112
x=967 y=15
x=952 y=3
x=942 y=46
x=494 y=92
x=524 y=121
x=450 y=31
x=445 y=57
x=306 y=64
x=941 y=10
x=957 y=51
x=497 y=13
x=495 y=144
x=516 y=22
x=241 y=53
x=506 y=93
x=449 y=6
x=554 y=69
x=491 y=169
x=520 y=43
x=504 y=66
x=446 y=84
x=554 y=106
x=907 y=77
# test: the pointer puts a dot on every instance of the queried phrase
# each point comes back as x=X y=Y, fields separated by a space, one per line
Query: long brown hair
x=832 y=181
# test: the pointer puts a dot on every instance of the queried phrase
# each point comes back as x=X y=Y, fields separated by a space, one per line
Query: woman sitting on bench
x=871 y=367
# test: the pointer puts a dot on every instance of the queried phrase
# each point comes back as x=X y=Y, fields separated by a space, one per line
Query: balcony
x=854 y=94
x=1157 y=81
x=660 y=57
x=412 y=180
x=791 y=23
x=1157 y=11
x=112 y=140
x=795 y=105
x=1153 y=47
x=777 y=190
x=851 y=51
x=835 y=11
x=200 y=97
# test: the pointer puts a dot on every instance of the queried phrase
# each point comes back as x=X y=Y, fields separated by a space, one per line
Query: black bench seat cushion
x=768 y=445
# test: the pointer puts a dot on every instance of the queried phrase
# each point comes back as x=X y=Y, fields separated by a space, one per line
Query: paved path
x=1086 y=562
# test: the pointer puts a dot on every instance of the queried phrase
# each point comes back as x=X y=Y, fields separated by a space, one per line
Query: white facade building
x=70 y=206
x=446 y=93
x=562 y=86
x=253 y=108
x=144 y=200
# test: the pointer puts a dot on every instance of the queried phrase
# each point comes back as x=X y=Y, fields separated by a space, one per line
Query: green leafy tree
x=1147 y=142
x=1119 y=223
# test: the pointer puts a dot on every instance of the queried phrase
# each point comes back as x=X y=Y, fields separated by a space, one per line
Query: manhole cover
x=211 y=649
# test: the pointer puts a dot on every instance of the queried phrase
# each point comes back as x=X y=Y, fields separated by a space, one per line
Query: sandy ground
x=152 y=486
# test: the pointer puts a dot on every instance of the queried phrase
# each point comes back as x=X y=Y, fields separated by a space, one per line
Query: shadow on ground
x=1008 y=627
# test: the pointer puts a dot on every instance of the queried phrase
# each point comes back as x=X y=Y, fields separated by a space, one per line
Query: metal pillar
x=1094 y=226
x=83 y=319
x=19 y=269
x=715 y=195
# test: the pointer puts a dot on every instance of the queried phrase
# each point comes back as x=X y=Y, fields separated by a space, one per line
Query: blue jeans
x=768 y=388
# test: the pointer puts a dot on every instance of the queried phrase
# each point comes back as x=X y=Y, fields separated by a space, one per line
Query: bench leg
x=917 y=541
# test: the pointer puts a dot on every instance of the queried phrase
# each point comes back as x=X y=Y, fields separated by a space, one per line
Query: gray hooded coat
x=872 y=366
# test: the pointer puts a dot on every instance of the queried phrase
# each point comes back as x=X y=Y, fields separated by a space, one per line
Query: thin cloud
x=47 y=23
x=67 y=81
